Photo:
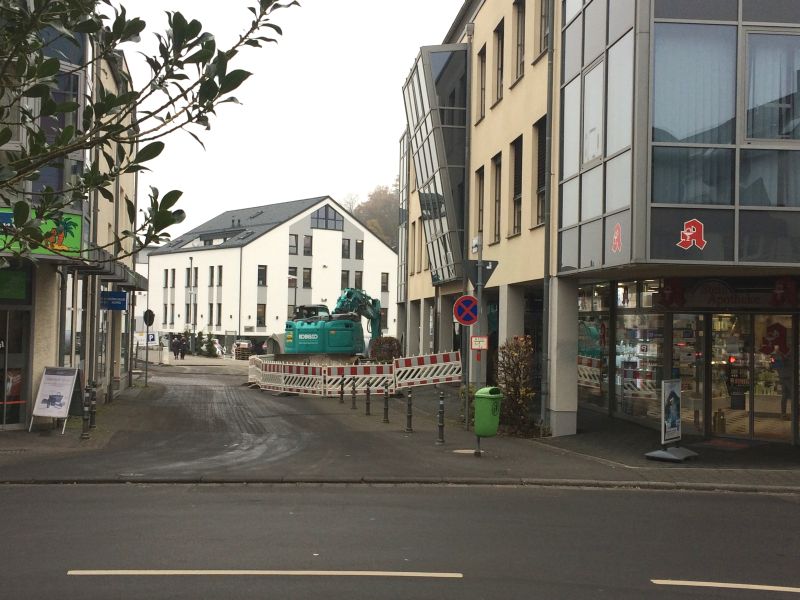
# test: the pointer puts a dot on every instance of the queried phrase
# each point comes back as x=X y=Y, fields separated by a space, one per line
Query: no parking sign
x=465 y=310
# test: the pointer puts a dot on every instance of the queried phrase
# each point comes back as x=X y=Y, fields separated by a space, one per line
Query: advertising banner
x=55 y=392
x=670 y=410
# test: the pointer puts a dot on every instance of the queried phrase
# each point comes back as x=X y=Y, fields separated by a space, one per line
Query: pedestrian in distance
x=175 y=346
x=184 y=346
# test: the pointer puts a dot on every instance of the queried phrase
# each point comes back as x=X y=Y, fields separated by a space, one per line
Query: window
x=384 y=318
x=196 y=276
x=480 y=192
x=194 y=314
x=292 y=277
x=359 y=249
x=594 y=41
x=306 y=277
x=327 y=218
x=210 y=314
x=345 y=282
x=702 y=109
x=308 y=245
x=384 y=282
x=619 y=121
x=544 y=23
x=693 y=175
x=210 y=280
x=290 y=310
x=188 y=277
x=593 y=114
x=219 y=314
x=166 y=277
x=499 y=43
x=172 y=278
x=188 y=314
x=345 y=248
x=262 y=276
x=571 y=129
x=519 y=35
x=172 y=314
x=516 y=192
x=541 y=174
x=412 y=249
x=497 y=165
x=482 y=83
x=261 y=315
x=358 y=281
x=769 y=178
x=293 y=243
x=773 y=86
x=219 y=276
x=164 y=318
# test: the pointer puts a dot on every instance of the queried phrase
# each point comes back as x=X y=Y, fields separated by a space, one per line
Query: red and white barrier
x=429 y=369
x=254 y=370
x=366 y=377
x=271 y=376
x=304 y=379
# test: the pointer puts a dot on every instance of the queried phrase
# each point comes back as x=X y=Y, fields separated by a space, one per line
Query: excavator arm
x=358 y=302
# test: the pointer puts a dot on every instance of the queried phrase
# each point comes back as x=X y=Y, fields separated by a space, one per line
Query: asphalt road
x=345 y=542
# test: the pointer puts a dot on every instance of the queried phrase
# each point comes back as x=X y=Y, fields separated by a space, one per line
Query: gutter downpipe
x=545 y=391
x=466 y=356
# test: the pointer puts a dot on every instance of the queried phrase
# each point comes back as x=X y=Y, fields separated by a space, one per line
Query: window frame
x=261 y=314
x=519 y=38
x=293 y=244
x=517 y=154
x=499 y=60
x=306 y=278
x=384 y=282
x=359 y=249
x=261 y=281
x=308 y=245
x=345 y=245
x=497 y=197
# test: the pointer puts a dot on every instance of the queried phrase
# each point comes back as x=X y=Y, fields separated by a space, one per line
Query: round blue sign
x=465 y=310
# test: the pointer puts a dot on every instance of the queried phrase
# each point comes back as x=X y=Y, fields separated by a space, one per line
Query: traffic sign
x=151 y=338
x=149 y=317
x=465 y=310
x=479 y=342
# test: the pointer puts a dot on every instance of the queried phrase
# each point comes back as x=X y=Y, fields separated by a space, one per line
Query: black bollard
x=341 y=392
x=367 y=402
x=440 y=440
x=353 y=394
x=93 y=408
x=478 y=452
x=408 y=412
x=386 y=402
x=85 y=431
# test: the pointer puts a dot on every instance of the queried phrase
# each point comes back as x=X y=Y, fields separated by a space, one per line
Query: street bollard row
x=409 y=408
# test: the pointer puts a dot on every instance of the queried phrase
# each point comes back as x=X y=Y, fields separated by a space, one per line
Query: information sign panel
x=55 y=392
x=670 y=410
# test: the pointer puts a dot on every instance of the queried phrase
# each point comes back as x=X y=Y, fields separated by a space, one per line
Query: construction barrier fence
x=318 y=380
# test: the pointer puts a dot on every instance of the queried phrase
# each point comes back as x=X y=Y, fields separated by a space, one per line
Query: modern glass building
x=679 y=208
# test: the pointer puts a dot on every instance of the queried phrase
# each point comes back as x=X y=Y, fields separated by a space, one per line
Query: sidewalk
x=199 y=422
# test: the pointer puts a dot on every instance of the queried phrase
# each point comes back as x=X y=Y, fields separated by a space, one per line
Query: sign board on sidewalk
x=670 y=410
x=55 y=392
x=479 y=342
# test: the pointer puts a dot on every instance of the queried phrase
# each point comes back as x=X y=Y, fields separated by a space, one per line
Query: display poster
x=55 y=392
x=670 y=410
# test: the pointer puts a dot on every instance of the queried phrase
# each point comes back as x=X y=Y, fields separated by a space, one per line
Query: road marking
x=258 y=573
x=729 y=586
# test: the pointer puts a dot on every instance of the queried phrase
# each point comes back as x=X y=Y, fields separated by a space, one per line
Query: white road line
x=258 y=573
x=729 y=586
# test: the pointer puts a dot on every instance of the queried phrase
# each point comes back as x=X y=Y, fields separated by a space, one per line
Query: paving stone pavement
x=198 y=421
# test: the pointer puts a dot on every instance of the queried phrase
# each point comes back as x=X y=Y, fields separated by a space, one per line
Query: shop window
x=650 y=289
x=592 y=360
x=639 y=372
x=626 y=294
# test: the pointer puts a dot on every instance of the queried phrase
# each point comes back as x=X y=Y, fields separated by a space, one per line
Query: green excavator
x=313 y=330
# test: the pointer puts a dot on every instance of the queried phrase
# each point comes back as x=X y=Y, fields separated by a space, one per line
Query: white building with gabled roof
x=241 y=274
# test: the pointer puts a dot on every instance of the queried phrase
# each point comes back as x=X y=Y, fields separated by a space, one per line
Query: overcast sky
x=322 y=113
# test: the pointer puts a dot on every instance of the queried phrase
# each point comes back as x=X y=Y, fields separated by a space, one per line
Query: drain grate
x=12 y=451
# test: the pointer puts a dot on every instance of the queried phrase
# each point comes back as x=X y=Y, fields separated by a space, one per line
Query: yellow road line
x=258 y=573
x=729 y=586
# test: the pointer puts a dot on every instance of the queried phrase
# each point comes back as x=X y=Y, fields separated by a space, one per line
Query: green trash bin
x=487 y=411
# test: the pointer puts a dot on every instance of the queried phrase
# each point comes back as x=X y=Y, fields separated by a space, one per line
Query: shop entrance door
x=14 y=339
x=752 y=376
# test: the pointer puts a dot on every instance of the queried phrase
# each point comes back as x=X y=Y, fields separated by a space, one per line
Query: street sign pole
x=146 y=354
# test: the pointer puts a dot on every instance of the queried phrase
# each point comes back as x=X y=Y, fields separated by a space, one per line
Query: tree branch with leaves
x=111 y=132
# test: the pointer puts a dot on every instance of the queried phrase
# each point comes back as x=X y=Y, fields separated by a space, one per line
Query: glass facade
x=402 y=237
x=596 y=157
x=435 y=97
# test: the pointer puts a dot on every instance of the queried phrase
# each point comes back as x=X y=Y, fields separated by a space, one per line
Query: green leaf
x=170 y=198
x=233 y=80
x=88 y=26
x=40 y=90
x=106 y=194
x=5 y=135
x=149 y=152
x=48 y=68
x=131 y=210
x=22 y=211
